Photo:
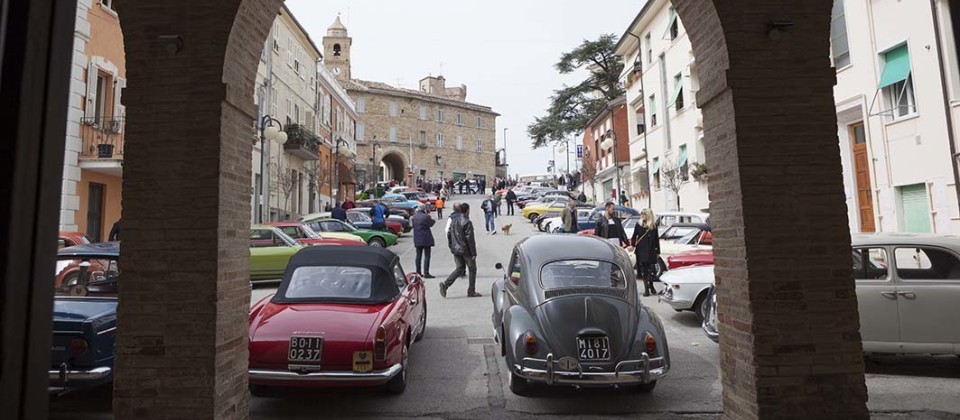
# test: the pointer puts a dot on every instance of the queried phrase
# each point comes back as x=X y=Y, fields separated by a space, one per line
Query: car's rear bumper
x=65 y=378
x=287 y=377
x=669 y=298
x=644 y=370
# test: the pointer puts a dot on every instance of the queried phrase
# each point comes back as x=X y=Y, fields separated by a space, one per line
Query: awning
x=656 y=165
x=897 y=68
x=683 y=157
x=346 y=174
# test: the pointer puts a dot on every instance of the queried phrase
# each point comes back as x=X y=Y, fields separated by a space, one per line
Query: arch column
x=790 y=344
x=182 y=315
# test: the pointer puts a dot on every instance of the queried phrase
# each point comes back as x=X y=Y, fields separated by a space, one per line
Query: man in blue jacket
x=379 y=215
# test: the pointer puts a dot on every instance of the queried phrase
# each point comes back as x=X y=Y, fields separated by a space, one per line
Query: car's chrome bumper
x=269 y=375
x=644 y=370
x=62 y=377
x=669 y=298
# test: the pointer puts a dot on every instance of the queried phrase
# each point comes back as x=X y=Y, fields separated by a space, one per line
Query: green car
x=371 y=237
x=270 y=250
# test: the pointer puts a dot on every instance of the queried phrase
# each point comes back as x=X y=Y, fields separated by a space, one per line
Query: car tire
x=700 y=306
x=423 y=324
x=519 y=386
x=541 y=227
x=398 y=384
x=647 y=387
x=377 y=242
x=533 y=217
x=661 y=268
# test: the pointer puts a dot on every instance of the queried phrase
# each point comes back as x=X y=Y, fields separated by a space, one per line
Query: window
x=926 y=263
x=459 y=119
x=289 y=51
x=330 y=282
x=673 y=28
x=101 y=99
x=914 y=208
x=360 y=131
x=439 y=115
x=839 y=45
x=439 y=140
x=656 y=173
x=459 y=143
x=289 y=110
x=296 y=113
x=399 y=276
x=582 y=273
x=423 y=112
x=516 y=270
x=649 y=44
x=678 y=91
x=479 y=122
x=423 y=138
x=361 y=105
x=653 y=110
x=274 y=108
x=393 y=109
x=393 y=133
x=683 y=163
x=107 y=3
x=479 y=145
x=870 y=264
x=897 y=84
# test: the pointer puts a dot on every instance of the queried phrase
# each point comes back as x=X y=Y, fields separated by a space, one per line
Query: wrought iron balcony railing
x=102 y=137
x=301 y=142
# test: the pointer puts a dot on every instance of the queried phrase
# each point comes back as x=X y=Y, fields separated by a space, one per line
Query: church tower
x=336 y=50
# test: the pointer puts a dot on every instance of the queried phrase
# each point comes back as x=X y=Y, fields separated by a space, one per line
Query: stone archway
x=396 y=167
x=790 y=345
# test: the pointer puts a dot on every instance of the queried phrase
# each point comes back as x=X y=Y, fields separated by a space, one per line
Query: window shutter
x=118 y=108
x=90 y=109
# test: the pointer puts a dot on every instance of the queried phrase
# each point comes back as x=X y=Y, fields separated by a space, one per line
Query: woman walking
x=646 y=247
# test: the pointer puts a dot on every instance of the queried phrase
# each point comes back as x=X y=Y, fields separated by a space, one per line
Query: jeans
x=379 y=226
x=488 y=217
x=509 y=208
x=440 y=213
x=468 y=263
x=424 y=253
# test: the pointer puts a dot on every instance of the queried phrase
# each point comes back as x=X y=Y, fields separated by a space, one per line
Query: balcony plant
x=699 y=171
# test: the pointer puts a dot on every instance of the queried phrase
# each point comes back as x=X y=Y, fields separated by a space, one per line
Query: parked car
x=567 y=312
x=428 y=200
x=683 y=237
x=72 y=239
x=321 y=215
x=554 y=224
x=690 y=258
x=360 y=217
x=399 y=201
x=586 y=225
x=67 y=269
x=685 y=289
x=908 y=286
x=534 y=210
x=85 y=318
x=669 y=218
x=302 y=233
x=341 y=317
x=270 y=250
x=375 y=238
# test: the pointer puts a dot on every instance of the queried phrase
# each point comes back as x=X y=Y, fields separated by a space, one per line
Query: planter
x=104 y=151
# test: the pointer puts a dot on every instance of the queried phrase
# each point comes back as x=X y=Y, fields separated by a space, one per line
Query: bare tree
x=319 y=174
x=286 y=184
x=674 y=177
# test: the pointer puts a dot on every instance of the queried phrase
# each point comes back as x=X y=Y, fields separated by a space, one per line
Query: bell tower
x=336 y=50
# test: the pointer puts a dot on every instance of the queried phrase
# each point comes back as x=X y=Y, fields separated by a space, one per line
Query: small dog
x=506 y=228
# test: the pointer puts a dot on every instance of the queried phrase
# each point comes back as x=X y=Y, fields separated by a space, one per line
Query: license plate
x=362 y=361
x=593 y=348
x=305 y=349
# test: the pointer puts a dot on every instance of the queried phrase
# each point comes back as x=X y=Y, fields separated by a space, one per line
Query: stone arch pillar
x=790 y=344
x=182 y=333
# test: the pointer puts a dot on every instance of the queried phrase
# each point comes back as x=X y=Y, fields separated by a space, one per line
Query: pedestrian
x=511 y=198
x=326 y=206
x=423 y=239
x=569 y=218
x=115 y=230
x=623 y=198
x=460 y=186
x=349 y=204
x=609 y=226
x=340 y=212
x=463 y=245
x=496 y=203
x=378 y=213
x=439 y=206
x=488 y=214
x=582 y=197
x=646 y=247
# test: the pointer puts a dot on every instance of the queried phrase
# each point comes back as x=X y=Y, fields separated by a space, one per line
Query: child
x=439 y=205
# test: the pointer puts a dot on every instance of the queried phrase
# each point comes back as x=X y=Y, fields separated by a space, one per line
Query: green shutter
x=683 y=156
x=897 y=68
x=916 y=211
x=677 y=88
x=656 y=165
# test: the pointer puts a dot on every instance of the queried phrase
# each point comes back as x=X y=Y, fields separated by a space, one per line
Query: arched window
x=336 y=50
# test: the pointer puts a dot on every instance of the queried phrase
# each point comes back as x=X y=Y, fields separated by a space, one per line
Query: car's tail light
x=78 y=346
x=650 y=344
x=530 y=343
x=380 y=344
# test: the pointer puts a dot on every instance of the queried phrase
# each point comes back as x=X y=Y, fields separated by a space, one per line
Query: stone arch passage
x=396 y=166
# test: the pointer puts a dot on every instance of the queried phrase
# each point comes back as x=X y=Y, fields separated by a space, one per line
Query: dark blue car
x=84 y=317
x=591 y=222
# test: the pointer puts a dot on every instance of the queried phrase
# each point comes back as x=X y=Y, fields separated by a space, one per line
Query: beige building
x=405 y=134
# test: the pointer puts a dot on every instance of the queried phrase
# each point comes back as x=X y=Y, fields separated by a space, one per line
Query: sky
x=504 y=51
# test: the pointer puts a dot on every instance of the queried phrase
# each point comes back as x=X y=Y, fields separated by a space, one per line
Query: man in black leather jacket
x=463 y=245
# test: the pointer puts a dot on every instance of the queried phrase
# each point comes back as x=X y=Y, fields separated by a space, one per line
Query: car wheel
x=541 y=227
x=518 y=385
x=70 y=280
x=533 y=217
x=398 y=384
x=647 y=387
x=661 y=268
x=377 y=242
x=700 y=306
x=423 y=324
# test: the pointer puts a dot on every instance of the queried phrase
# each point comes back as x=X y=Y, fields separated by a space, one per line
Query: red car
x=73 y=239
x=306 y=236
x=360 y=218
x=67 y=271
x=342 y=317
x=691 y=258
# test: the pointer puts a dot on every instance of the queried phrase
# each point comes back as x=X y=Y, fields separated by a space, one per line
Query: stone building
x=606 y=149
x=405 y=134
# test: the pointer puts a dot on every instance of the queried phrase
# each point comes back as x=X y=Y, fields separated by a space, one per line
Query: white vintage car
x=555 y=224
x=686 y=289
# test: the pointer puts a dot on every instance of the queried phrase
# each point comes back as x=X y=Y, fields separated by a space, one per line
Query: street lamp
x=608 y=142
x=376 y=168
x=273 y=133
x=345 y=152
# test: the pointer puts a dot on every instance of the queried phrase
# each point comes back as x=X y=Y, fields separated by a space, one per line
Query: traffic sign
x=579 y=151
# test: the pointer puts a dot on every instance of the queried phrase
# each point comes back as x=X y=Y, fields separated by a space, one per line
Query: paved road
x=456 y=371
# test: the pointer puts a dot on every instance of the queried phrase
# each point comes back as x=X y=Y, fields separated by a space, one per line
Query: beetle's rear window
x=582 y=273
x=329 y=282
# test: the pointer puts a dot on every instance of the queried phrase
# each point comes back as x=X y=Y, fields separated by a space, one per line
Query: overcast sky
x=504 y=51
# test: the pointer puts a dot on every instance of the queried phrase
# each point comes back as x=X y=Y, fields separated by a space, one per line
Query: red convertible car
x=342 y=317
x=306 y=236
x=690 y=258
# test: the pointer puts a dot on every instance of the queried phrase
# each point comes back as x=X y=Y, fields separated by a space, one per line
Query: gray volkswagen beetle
x=567 y=312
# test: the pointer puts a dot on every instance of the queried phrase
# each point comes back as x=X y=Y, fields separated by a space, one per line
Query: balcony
x=102 y=138
x=301 y=142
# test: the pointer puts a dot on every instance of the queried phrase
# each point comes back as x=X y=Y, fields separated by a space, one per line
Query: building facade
x=606 y=153
x=666 y=135
x=298 y=176
x=93 y=162
x=404 y=135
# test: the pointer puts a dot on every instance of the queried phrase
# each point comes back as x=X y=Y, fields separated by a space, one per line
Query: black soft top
x=379 y=261
x=102 y=250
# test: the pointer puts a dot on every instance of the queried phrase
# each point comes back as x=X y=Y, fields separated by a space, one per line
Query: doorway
x=95 y=211
x=861 y=168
